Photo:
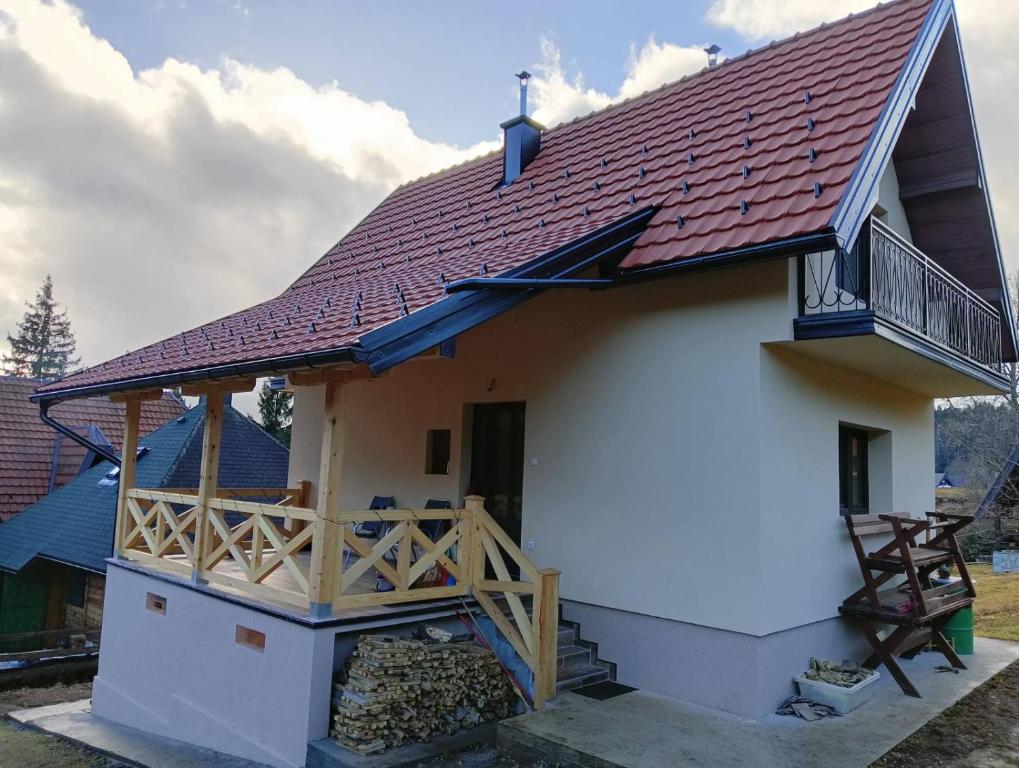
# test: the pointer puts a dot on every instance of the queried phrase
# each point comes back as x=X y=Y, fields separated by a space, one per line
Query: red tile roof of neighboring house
x=736 y=151
x=27 y=445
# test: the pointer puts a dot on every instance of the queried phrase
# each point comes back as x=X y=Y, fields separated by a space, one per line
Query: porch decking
x=283 y=581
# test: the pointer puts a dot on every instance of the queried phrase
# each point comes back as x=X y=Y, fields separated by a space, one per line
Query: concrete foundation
x=187 y=673
x=731 y=671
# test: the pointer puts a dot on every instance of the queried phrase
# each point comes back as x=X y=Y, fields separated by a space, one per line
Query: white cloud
x=165 y=198
x=990 y=35
x=758 y=19
x=559 y=98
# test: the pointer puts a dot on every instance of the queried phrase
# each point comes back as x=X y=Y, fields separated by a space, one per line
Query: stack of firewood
x=395 y=690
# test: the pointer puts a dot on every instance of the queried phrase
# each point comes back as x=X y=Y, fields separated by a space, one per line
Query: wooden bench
x=914 y=605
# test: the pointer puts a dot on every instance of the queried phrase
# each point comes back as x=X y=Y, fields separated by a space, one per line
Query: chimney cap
x=524 y=74
x=713 y=50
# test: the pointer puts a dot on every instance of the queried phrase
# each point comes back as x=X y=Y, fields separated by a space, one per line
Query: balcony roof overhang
x=863 y=340
x=928 y=130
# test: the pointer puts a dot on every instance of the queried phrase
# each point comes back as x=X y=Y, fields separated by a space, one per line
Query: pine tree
x=276 y=410
x=44 y=345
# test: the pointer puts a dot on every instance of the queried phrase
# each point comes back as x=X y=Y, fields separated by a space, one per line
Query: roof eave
x=824 y=239
x=862 y=192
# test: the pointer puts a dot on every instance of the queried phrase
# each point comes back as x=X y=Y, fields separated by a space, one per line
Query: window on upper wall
x=854 y=489
x=437 y=447
x=76 y=582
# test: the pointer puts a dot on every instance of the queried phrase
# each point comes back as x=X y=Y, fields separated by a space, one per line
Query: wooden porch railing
x=246 y=542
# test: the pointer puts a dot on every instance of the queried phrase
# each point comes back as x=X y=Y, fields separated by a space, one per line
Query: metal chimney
x=521 y=137
x=712 y=51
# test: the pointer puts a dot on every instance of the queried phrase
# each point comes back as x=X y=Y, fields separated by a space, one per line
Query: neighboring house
x=793 y=254
x=35 y=459
x=956 y=474
x=53 y=555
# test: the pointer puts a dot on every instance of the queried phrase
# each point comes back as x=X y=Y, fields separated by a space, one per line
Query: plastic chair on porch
x=375 y=529
x=370 y=529
x=433 y=529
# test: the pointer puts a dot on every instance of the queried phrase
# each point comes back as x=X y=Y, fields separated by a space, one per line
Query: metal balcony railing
x=886 y=274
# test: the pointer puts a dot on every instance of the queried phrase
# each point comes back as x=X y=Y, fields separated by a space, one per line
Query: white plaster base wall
x=182 y=675
x=735 y=672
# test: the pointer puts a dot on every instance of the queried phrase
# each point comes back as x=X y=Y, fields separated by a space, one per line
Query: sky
x=170 y=161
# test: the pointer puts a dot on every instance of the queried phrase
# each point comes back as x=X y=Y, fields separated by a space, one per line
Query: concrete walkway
x=75 y=722
x=644 y=730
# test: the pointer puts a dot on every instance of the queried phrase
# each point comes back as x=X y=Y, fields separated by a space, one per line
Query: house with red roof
x=35 y=459
x=630 y=372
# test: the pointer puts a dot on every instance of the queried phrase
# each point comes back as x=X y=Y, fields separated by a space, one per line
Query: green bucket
x=958 y=630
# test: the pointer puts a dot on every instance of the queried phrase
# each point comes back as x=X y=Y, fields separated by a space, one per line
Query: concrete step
x=573 y=656
x=566 y=635
x=574 y=678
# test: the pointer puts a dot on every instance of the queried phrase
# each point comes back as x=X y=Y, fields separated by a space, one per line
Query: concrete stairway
x=578 y=663
x=577 y=660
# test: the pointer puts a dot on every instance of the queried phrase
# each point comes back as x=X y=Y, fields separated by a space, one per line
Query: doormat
x=607 y=689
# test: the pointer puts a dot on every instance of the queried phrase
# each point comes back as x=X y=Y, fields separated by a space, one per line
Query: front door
x=497 y=462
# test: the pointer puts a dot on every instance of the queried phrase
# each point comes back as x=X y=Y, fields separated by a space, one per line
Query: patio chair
x=370 y=529
x=433 y=529
x=374 y=529
x=912 y=603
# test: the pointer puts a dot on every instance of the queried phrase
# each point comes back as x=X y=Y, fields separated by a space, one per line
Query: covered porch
x=297 y=551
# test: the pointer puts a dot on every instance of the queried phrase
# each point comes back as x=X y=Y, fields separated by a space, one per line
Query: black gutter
x=68 y=432
x=824 y=240
x=264 y=366
x=525 y=283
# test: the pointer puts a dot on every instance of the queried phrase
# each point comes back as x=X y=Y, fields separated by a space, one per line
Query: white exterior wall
x=888 y=198
x=647 y=481
x=809 y=564
x=182 y=675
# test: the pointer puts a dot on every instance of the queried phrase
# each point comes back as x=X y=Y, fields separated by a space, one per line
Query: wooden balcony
x=885 y=286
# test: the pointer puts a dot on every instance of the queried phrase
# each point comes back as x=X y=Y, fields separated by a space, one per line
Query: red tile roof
x=702 y=149
x=26 y=444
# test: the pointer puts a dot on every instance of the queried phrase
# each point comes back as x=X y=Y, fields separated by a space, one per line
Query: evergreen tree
x=43 y=346
x=275 y=411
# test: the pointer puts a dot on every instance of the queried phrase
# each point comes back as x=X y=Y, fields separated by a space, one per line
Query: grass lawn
x=26 y=748
x=996 y=611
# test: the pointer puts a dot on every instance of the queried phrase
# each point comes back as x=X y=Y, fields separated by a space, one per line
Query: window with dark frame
x=76 y=583
x=853 y=490
x=437 y=448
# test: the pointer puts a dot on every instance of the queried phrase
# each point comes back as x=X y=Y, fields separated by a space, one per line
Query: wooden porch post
x=208 y=483
x=546 y=597
x=327 y=542
x=128 y=462
x=472 y=543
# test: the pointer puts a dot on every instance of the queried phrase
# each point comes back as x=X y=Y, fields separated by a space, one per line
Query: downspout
x=44 y=406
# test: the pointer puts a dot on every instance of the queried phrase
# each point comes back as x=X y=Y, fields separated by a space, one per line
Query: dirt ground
x=981 y=731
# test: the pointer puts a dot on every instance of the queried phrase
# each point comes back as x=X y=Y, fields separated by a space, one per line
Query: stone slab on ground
x=326 y=753
x=75 y=722
x=645 y=730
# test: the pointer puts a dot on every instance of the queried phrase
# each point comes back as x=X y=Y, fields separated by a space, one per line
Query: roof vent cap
x=712 y=50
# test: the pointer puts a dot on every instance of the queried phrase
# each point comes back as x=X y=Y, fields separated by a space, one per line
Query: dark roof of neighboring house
x=74 y=524
x=28 y=447
x=1003 y=490
x=776 y=146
